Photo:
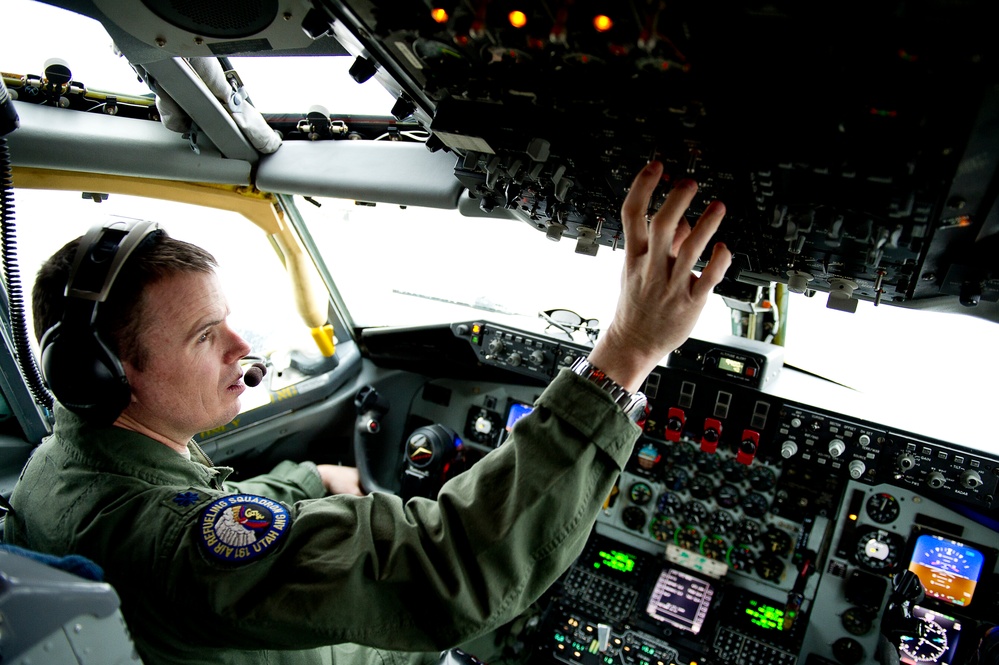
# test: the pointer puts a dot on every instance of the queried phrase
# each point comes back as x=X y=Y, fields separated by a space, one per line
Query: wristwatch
x=633 y=404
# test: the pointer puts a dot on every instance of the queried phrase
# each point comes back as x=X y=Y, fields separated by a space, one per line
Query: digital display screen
x=681 y=600
x=936 y=641
x=948 y=569
x=517 y=411
x=732 y=365
x=622 y=562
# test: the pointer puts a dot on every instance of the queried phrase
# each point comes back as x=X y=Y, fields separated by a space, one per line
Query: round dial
x=727 y=496
x=777 y=542
x=857 y=621
x=721 y=522
x=882 y=508
x=633 y=518
x=669 y=504
x=676 y=479
x=688 y=537
x=681 y=454
x=740 y=557
x=928 y=645
x=762 y=479
x=877 y=550
x=640 y=493
x=770 y=568
x=695 y=512
x=662 y=528
x=733 y=471
x=714 y=547
x=706 y=462
x=702 y=487
x=748 y=531
x=755 y=504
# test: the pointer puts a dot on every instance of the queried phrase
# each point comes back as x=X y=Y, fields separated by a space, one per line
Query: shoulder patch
x=242 y=527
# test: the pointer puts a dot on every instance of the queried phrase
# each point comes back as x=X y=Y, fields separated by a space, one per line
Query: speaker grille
x=217 y=19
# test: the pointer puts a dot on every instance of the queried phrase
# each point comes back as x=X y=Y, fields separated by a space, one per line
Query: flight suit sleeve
x=421 y=575
x=289 y=482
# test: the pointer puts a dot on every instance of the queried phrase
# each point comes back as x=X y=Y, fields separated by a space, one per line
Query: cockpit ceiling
x=854 y=146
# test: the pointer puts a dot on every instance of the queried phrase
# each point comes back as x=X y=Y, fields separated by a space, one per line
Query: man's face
x=191 y=380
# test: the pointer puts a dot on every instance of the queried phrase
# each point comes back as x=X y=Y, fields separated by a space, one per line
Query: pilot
x=278 y=568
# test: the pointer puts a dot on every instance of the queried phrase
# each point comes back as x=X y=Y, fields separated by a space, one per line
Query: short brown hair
x=119 y=318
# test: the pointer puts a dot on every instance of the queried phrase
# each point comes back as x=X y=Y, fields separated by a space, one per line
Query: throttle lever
x=899 y=619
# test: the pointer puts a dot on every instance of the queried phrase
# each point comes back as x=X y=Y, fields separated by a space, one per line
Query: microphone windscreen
x=254 y=374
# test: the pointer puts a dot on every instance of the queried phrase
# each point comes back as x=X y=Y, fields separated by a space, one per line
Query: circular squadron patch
x=242 y=527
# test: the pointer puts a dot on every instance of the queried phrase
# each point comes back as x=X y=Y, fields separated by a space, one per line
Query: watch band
x=633 y=404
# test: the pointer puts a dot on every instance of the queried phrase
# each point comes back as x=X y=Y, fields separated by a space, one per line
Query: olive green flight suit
x=267 y=571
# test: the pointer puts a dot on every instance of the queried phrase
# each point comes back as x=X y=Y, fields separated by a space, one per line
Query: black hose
x=12 y=281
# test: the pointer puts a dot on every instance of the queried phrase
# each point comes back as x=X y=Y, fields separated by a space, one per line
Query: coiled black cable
x=12 y=282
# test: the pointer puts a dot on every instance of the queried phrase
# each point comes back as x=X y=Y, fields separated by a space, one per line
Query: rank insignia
x=186 y=498
x=242 y=527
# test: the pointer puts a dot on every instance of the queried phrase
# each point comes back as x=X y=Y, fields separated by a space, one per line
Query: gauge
x=681 y=454
x=688 y=537
x=857 y=620
x=706 y=462
x=770 y=568
x=640 y=493
x=734 y=472
x=662 y=528
x=882 y=508
x=676 y=479
x=848 y=651
x=714 y=547
x=702 y=487
x=669 y=504
x=727 y=496
x=721 y=522
x=878 y=550
x=762 y=479
x=740 y=557
x=777 y=542
x=929 y=643
x=695 y=512
x=633 y=518
x=755 y=504
x=748 y=531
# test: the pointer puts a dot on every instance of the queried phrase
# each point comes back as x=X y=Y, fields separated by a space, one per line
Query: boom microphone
x=254 y=374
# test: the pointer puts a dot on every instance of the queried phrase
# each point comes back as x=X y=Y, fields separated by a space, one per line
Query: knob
x=971 y=479
x=537 y=357
x=788 y=449
x=936 y=480
x=905 y=462
x=495 y=346
x=857 y=469
x=483 y=425
x=514 y=359
x=864 y=440
x=837 y=447
x=709 y=440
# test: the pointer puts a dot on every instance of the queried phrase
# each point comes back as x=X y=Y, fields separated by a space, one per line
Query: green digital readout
x=765 y=616
x=619 y=561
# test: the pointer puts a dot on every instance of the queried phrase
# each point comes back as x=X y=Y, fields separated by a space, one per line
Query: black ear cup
x=84 y=374
x=78 y=366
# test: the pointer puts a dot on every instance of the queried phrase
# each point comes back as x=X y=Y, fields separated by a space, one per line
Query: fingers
x=721 y=259
x=635 y=207
x=693 y=246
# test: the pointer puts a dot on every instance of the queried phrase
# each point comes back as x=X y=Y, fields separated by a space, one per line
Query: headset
x=78 y=366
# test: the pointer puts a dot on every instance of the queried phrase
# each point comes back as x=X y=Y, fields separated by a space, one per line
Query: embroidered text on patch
x=242 y=527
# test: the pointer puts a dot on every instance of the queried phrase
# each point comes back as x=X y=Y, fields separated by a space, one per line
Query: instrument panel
x=748 y=528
